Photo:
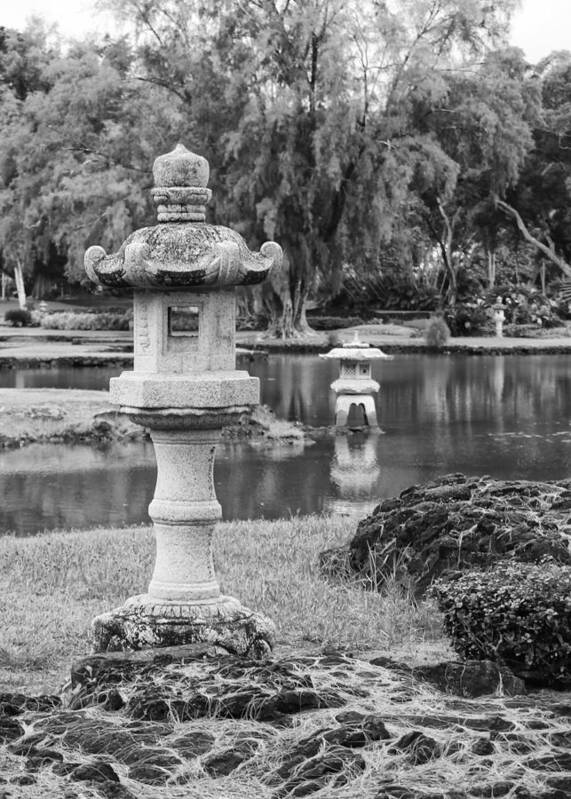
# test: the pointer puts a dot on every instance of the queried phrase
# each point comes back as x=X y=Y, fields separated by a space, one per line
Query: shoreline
x=32 y=348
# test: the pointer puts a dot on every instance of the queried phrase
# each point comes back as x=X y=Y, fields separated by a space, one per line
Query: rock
x=154 y=766
x=225 y=761
x=95 y=771
x=10 y=729
x=483 y=747
x=313 y=772
x=193 y=744
x=456 y=523
x=13 y=704
x=471 y=678
x=418 y=747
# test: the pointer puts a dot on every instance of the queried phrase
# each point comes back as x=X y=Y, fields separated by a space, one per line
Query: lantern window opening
x=183 y=321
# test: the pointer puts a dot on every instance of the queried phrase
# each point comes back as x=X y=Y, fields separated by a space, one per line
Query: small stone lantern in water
x=355 y=385
x=184 y=387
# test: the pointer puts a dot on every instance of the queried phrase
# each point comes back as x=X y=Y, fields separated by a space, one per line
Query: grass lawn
x=54 y=584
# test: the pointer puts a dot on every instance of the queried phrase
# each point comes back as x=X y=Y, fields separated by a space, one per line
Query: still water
x=507 y=416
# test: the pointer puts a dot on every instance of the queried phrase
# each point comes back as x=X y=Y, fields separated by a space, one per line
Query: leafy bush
x=525 y=305
x=333 y=322
x=437 y=333
x=18 y=317
x=517 y=613
x=68 y=320
x=361 y=293
x=467 y=319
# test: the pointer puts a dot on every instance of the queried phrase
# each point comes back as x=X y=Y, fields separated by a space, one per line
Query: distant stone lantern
x=499 y=317
x=184 y=387
x=355 y=385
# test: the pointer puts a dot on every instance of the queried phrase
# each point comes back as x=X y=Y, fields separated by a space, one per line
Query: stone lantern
x=355 y=385
x=184 y=387
x=499 y=317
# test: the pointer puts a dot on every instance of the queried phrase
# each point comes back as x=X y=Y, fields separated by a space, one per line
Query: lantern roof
x=182 y=251
x=356 y=350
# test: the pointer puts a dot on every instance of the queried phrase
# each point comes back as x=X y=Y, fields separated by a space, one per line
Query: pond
x=507 y=416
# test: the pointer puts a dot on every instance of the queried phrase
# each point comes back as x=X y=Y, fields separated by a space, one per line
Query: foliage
x=68 y=320
x=467 y=319
x=334 y=322
x=524 y=305
x=517 y=613
x=18 y=317
x=391 y=291
x=380 y=144
x=437 y=333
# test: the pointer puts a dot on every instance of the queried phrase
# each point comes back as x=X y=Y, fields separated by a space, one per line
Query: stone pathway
x=191 y=723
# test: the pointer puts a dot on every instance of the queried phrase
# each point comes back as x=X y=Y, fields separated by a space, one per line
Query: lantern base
x=145 y=622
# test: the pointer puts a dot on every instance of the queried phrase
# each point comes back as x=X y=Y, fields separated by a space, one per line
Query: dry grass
x=54 y=584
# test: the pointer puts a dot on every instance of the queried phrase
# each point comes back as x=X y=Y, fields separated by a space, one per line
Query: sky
x=538 y=28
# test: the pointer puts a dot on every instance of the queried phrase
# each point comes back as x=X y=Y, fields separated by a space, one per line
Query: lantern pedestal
x=184 y=604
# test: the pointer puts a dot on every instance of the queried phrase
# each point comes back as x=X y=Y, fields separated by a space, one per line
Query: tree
x=303 y=108
x=477 y=137
x=539 y=204
x=75 y=157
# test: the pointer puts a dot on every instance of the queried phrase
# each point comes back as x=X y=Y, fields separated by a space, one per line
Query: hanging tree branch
x=531 y=239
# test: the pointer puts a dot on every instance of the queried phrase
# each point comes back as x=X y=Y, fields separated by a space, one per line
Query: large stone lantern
x=184 y=387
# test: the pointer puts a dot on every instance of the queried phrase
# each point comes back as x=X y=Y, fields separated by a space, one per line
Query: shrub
x=467 y=319
x=68 y=320
x=437 y=333
x=333 y=322
x=516 y=613
x=18 y=317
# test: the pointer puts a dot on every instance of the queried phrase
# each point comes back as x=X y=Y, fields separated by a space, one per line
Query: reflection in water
x=354 y=473
x=506 y=416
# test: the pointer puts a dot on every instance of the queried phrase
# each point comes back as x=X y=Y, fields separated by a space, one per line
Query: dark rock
x=23 y=746
x=294 y=701
x=64 y=769
x=23 y=779
x=335 y=763
x=149 y=774
x=13 y=704
x=37 y=758
x=471 y=678
x=10 y=729
x=492 y=790
x=96 y=737
x=225 y=761
x=94 y=772
x=456 y=523
x=563 y=783
x=163 y=703
x=58 y=723
x=157 y=756
x=418 y=747
x=483 y=747
x=555 y=761
x=193 y=744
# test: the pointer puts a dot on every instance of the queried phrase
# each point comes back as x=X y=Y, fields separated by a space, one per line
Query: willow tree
x=303 y=108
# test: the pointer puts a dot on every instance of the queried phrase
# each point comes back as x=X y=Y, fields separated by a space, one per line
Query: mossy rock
x=456 y=523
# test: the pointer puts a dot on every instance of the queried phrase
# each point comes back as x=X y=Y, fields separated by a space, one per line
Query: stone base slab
x=144 y=622
x=205 y=391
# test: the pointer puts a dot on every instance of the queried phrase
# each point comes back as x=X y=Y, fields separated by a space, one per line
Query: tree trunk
x=491 y=268
x=549 y=253
x=20 y=288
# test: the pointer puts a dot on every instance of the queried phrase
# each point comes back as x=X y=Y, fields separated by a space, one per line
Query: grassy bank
x=54 y=584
